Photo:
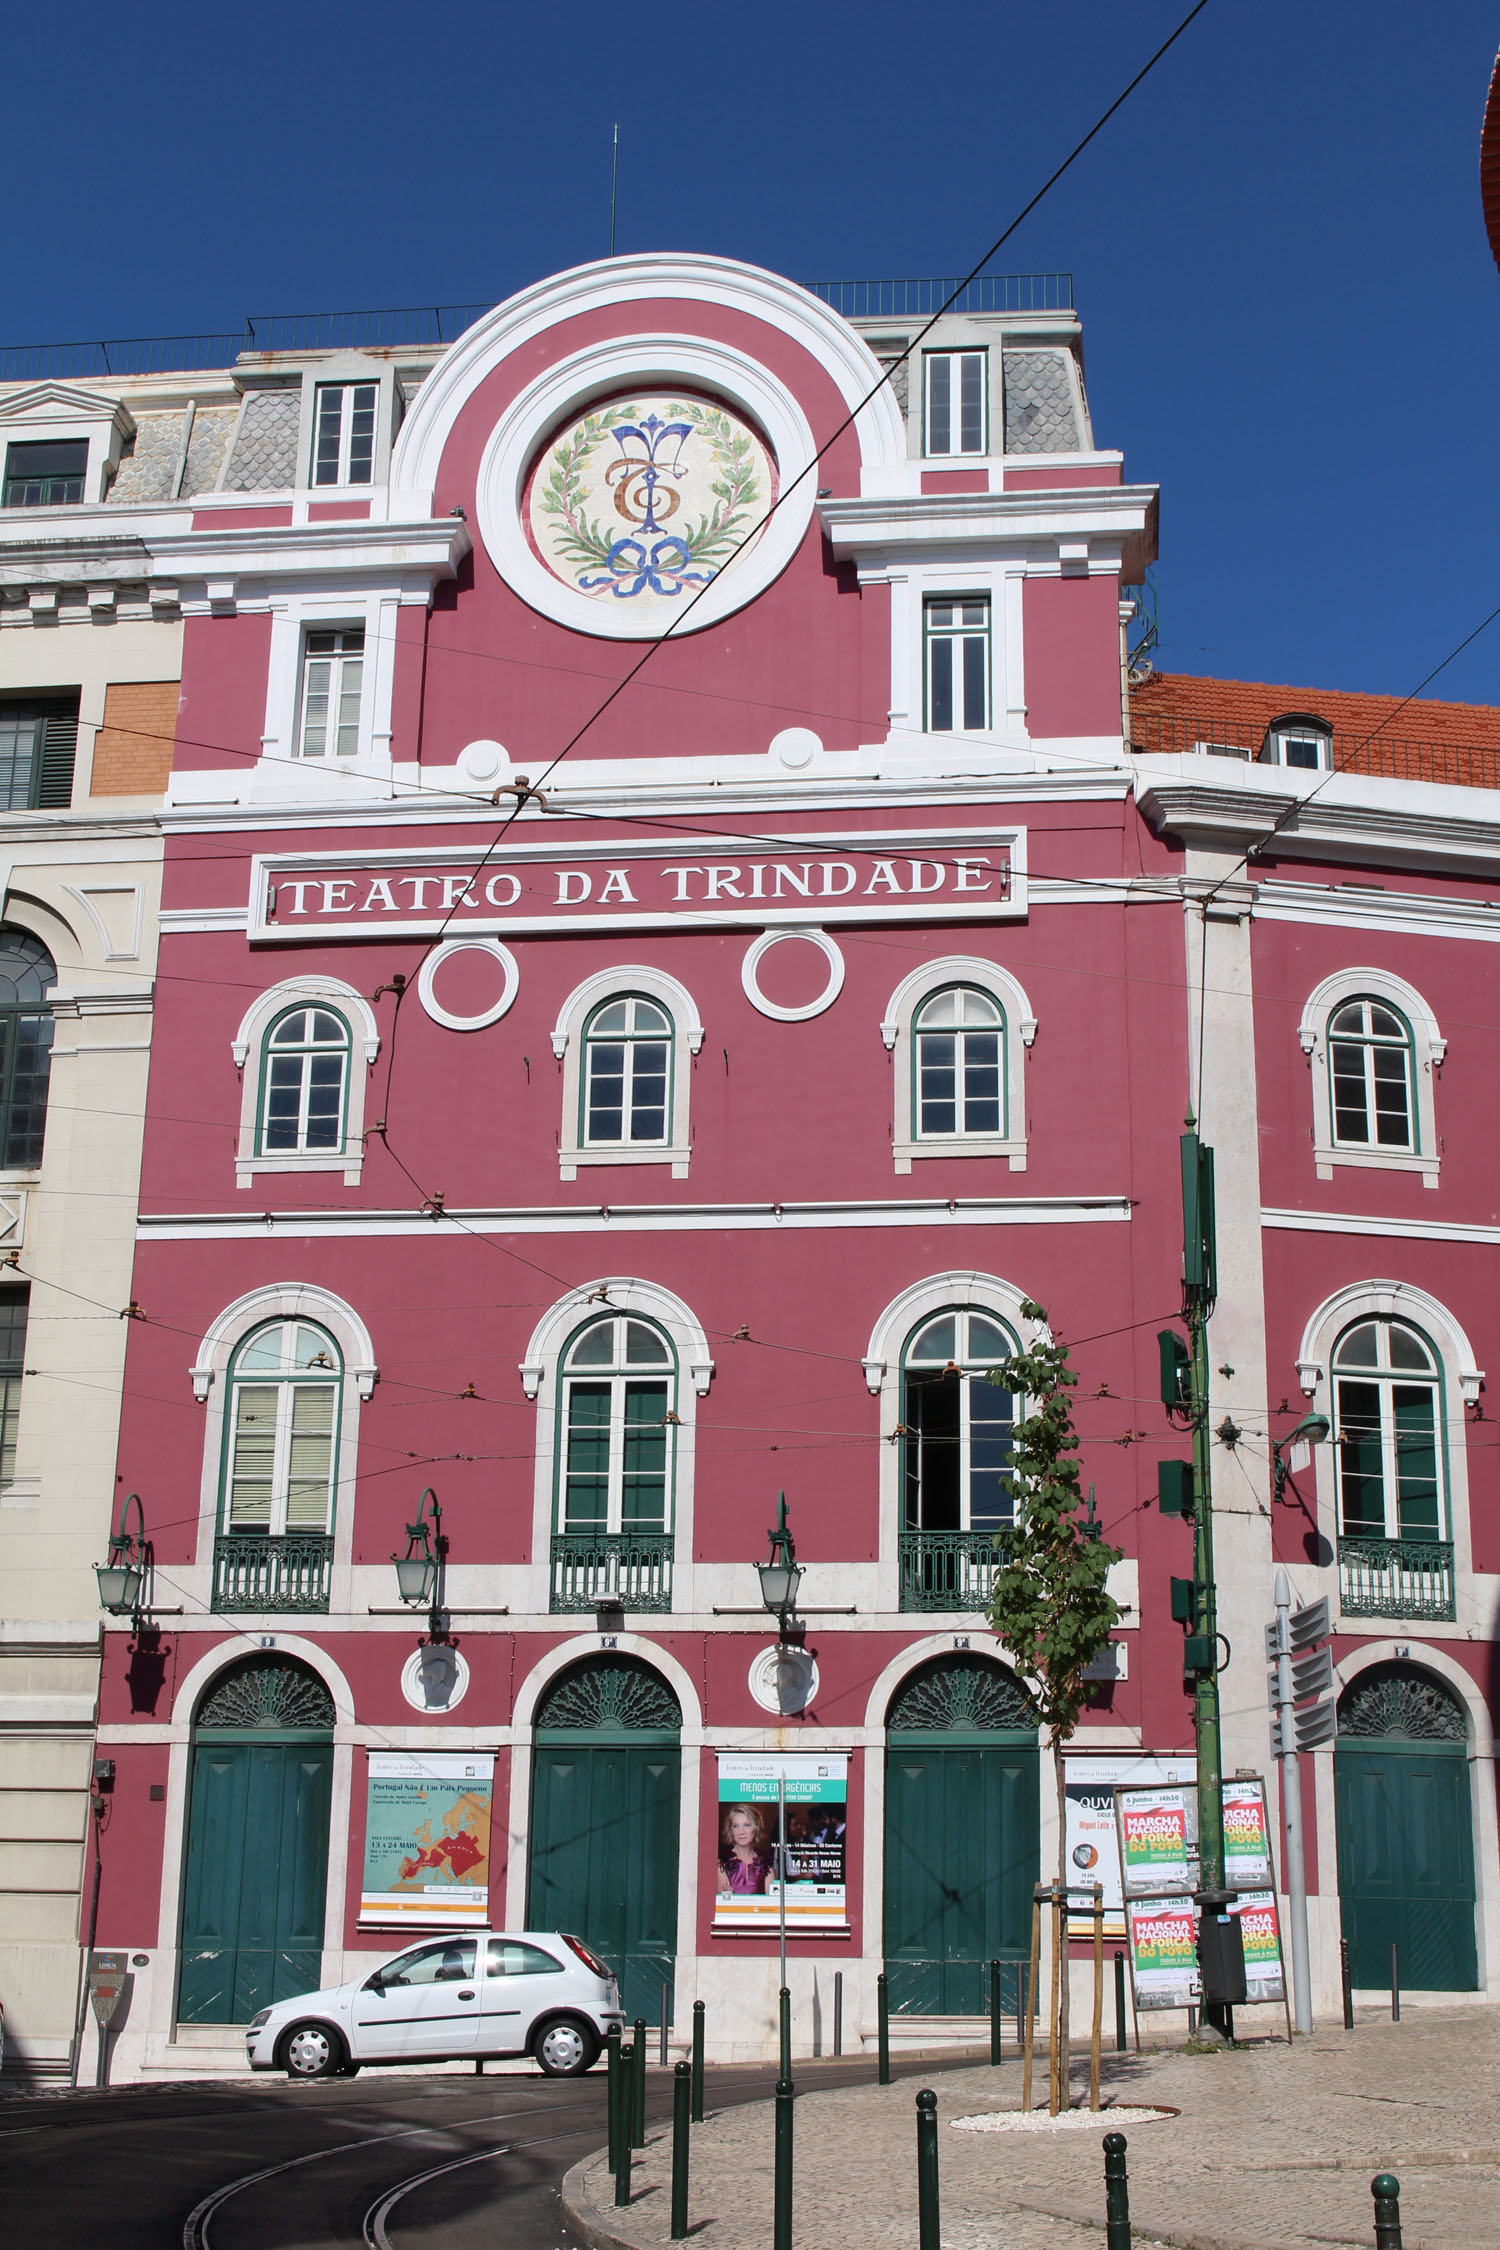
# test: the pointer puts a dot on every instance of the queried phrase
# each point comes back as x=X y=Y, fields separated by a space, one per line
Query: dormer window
x=46 y=476
x=1299 y=741
x=344 y=433
x=953 y=405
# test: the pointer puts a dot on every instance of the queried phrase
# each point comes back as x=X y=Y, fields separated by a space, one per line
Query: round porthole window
x=434 y=1678
x=804 y=994
x=468 y=983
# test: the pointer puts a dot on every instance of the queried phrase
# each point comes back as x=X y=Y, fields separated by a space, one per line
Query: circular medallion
x=784 y=1680
x=491 y=982
x=434 y=1677
x=647 y=497
x=808 y=940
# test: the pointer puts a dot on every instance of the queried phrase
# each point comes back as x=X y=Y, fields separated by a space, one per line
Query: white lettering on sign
x=963 y=874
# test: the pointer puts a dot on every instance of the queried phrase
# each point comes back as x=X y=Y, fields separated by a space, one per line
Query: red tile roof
x=1385 y=734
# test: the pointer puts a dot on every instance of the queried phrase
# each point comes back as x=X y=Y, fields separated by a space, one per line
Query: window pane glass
x=595 y=1347
x=1351 y=1117
x=939 y=403
x=1418 y=1515
x=971 y=425
x=643 y=1494
x=1392 y=1108
x=254 y=1454
x=291 y=1029
x=1384 y=1024
x=1360 y=1348
x=612 y=1017
x=981 y=1081
x=586 y=1499
x=990 y=1412
x=940 y=687
x=326 y=1026
x=315 y=708
x=263 y=1349
x=1361 y=1474
x=1407 y=1348
x=509 y=1958
x=931 y=1413
x=986 y=1341
x=13 y=1308
x=361 y=433
x=978 y=1007
x=606 y=1094
x=942 y=1008
x=976 y=666
x=937 y=1082
x=449 y=1962
x=643 y=1346
x=938 y=1340
x=648 y=1092
x=351 y=676
x=1350 y=1019
x=648 y=1017
x=312 y=1349
x=329 y=425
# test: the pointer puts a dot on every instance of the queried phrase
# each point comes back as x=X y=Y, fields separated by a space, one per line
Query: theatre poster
x=427 y=1840
x=752 y=1860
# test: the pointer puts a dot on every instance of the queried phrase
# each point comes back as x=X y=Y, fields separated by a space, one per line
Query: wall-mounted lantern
x=125 y=1581
x=421 y=1573
x=780 y=1573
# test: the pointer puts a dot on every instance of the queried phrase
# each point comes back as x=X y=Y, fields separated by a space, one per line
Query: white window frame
x=283 y=1380
x=283 y=774
x=248 y=1048
x=320 y=1308
x=567 y=1046
x=539 y=1372
x=1286 y=731
x=952 y=635
x=968 y=1367
x=338 y=660
x=1384 y=1380
x=954 y=353
x=618 y=1375
x=346 y=387
x=1428 y=1049
x=898 y=1032
x=1462 y=1382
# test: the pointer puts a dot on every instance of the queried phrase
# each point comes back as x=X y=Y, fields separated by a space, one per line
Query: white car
x=479 y=1993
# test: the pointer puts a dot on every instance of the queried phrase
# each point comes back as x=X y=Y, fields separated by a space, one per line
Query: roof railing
x=429 y=327
x=1465 y=765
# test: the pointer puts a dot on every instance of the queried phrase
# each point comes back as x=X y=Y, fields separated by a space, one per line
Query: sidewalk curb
x=584 y=2216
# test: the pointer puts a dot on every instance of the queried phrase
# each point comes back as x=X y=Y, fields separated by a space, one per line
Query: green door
x=257 y=1845
x=962 y=1826
x=606 y=1786
x=1405 y=1833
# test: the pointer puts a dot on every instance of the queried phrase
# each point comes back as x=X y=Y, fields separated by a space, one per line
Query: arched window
x=958 y=1079
x=1372 y=1066
x=1395 y=1535
x=958 y=1425
x=304 y=1083
x=616 y=1457
x=280 y=1462
x=1375 y=1049
x=958 y=1029
x=627 y=1074
x=27 y=974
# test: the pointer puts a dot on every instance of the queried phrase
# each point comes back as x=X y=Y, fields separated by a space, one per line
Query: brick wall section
x=133 y=748
x=1412 y=740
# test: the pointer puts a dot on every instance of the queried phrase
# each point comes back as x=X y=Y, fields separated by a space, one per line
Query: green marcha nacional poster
x=427 y=1840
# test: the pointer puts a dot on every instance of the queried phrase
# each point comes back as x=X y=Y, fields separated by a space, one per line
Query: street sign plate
x=106 y=1984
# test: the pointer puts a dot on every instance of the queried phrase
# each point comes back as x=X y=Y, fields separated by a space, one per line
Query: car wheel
x=565 y=2049
x=311 y=2050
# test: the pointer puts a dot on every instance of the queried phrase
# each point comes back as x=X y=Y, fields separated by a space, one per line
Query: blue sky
x=1291 y=315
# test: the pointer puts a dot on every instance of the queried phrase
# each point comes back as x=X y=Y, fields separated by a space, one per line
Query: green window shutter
x=59 y=749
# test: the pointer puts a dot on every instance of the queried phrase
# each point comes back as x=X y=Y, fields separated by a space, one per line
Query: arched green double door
x=1405 y=1832
x=255 y=1875
x=605 y=1795
x=962 y=1837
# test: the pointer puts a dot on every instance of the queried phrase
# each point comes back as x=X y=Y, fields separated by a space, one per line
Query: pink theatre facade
x=612 y=1084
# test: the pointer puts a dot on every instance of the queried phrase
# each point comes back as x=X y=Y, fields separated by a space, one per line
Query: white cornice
x=228 y=564
x=1350 y=816
x=913 y=524
x=1360 y=907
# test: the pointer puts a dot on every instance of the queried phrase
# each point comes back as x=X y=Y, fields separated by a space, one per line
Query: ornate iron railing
x=1396 y=1577
x=630 y=1567
x=948 y=1569
x=919 y=298
x=1470 y=765
x=253 y=1571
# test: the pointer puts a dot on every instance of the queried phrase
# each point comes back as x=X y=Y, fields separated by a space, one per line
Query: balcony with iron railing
x=255 y=1570
x=1467 y=765
x=947 y=1570
x=1410 y=1578
x=633 y=1568
x=431 y=328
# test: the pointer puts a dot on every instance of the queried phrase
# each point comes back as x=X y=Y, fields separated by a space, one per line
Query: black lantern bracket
x=127 y=1581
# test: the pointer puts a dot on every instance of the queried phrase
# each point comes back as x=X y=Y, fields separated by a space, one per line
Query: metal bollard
x=1395 y=1987
x=622 y=2167
x=1120 y=2026
x=781 y=2232
x=929 y=2234
x=883 y=2026
x=1346 y=1979
x=1116 y=2194
x=784 y=2031
x=666 y=2005
x=1386 y=2189
x=997 y=2033
x=612 y=2101
x=838 y=2011
x=638 y=2087
x=682 y=2128
x=699 y=2012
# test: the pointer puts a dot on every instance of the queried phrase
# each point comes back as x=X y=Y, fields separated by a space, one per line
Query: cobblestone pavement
x=1271 y=2146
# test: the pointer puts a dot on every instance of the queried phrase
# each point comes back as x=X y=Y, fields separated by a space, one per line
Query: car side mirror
x=375 y=1982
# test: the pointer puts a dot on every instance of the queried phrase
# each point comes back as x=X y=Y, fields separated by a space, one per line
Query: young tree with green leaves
x=1051 y=1606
